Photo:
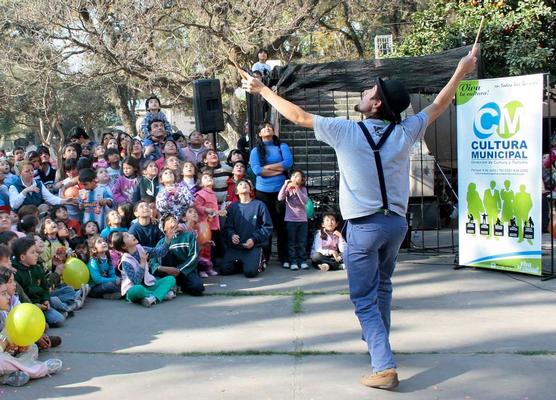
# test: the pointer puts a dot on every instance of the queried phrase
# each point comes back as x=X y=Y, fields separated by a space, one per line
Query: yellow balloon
x=75 y=273
x=25 y=324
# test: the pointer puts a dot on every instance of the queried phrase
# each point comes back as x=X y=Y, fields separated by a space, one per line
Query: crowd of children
x=148 y=224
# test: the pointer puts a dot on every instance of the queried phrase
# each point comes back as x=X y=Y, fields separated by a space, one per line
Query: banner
x=499 y=125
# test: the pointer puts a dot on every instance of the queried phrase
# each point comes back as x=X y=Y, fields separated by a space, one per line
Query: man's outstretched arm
x=465 y=66
x=286 y=108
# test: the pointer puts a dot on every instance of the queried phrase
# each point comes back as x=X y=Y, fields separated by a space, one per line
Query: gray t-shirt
x=359 y=185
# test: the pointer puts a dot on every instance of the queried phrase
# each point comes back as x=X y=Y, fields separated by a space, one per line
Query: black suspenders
x=376 y=147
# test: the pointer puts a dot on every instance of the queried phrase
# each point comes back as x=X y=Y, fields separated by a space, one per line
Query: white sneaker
x=286 y=265
x=304 y=266
x=54 y=365
x=342 y=266
x=148 y=301
x=86 y=289
x=170 y=295
x=294 y=267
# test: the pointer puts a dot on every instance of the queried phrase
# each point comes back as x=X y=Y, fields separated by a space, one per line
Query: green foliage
x=517 y=37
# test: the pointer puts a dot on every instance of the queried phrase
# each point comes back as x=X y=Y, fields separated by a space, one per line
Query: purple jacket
x=296 y=200
x=122 y=190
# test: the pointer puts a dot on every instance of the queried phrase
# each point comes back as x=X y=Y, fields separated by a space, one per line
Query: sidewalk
x=468 y=334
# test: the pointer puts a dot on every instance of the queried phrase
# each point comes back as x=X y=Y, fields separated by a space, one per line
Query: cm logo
x=504 y=122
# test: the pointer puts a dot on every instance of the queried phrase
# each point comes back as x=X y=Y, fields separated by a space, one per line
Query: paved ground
x=467 y=334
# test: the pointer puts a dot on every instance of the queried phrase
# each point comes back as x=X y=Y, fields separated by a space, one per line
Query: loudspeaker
x=207 y=106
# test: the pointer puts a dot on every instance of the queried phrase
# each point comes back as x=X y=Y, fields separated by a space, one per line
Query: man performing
x=373 y=159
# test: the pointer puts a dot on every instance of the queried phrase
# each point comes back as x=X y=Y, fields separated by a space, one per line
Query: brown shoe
x=387 y=379
x=55 y=341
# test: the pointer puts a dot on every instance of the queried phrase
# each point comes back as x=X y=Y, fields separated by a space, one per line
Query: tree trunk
x=120 y=98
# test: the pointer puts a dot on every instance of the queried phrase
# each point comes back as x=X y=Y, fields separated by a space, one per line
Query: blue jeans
x=64 y=298
x=297 y=241
x=53 y=318
x=104 y=288
x=59 y=305
x=65 y=293
x=373 y=243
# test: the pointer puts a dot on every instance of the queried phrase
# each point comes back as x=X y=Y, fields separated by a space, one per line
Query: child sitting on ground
x=62 y=297
x=113 y=224
x=138 y=285
x=328 y=246
x=30 y=275
x=144 y=229
x=103 y=280
x=46 y=341
x=16 y=371
x=181 y=259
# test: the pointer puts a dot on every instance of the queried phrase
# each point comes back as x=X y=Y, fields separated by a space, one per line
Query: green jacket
x=33 y=282
x=183 y=254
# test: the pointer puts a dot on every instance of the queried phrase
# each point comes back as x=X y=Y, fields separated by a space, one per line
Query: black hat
x=394 y=97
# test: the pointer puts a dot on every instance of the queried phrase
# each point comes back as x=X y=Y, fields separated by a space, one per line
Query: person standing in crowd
x=195 y=149
x=270 y=160
x=261 y=65
x=294 y=194
x=373 y=208
x=47 y=174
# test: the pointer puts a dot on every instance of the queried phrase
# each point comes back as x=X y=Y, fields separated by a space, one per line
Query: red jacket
x=205 y=198
x=232 y=197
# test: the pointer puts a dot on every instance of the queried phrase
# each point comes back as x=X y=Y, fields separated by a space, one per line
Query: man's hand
x=249 y=244
x=251 y=85
x=235 y=239
x=468 y=63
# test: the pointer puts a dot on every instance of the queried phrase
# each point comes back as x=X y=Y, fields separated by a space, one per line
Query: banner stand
x=500 y=126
